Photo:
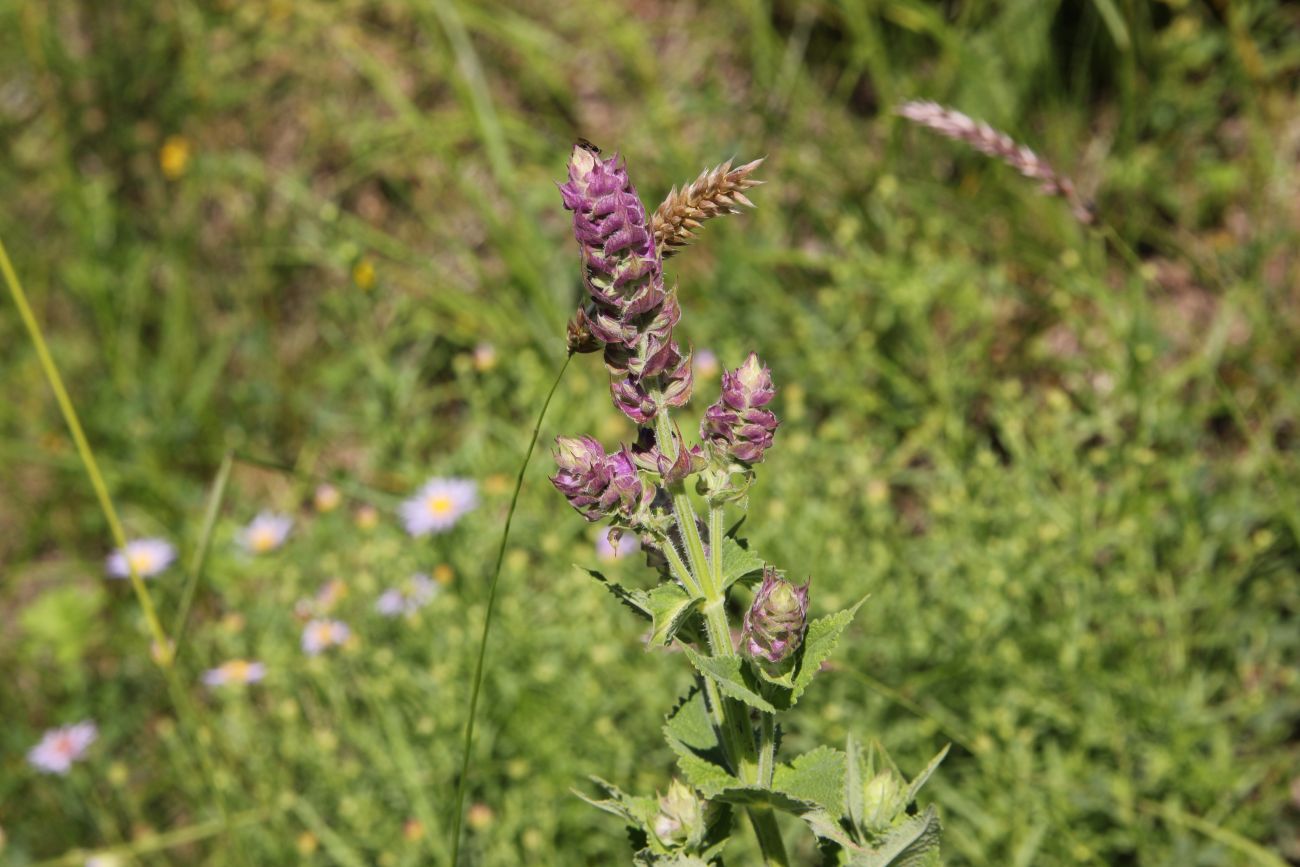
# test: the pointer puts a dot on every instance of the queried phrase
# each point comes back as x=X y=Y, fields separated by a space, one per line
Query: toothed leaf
x=733 y=677
x=669 y=606
x=816 y=777
x=913 y=843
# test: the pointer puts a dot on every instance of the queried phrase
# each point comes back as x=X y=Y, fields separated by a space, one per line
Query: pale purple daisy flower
x=390 y=603
x=147 y=556
x=60 y=747
x=266 y=532
x=418 y=592
x=628 y=545
x=319 y=635
x=421 y=591
x=236 y=672
x=438 y=505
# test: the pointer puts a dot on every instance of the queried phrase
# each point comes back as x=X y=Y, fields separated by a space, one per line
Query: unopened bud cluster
x=776 y=621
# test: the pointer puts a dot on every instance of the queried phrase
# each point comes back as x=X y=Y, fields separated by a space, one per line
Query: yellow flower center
x=141 y=562
x=262 y=539
x=322 y=633
x=439 y=505
x=237 y=670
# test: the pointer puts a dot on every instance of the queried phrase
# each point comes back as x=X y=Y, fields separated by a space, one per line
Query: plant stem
x=164 y=656
x=487 y=620
x=769 y=836
x=730 y=717
x=767 y=750
x=716 y=539
x=690 y=533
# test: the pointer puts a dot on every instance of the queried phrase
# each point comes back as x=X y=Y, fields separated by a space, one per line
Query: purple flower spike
x=623 y=271
x=776 y=622
x=596 y=484
x=738 y=424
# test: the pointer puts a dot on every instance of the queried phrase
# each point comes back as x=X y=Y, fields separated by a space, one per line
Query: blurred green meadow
x=324 y=238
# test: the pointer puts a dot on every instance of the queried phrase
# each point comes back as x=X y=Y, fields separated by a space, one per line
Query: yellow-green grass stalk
x=162 y=654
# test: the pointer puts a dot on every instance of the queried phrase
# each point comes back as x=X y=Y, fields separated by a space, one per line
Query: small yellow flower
x=443 y=574
x=363 y=273
x=174 y=156
x=307 y=843
x=413 y=830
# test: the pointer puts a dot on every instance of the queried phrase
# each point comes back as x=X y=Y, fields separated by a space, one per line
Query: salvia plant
x=725 y=731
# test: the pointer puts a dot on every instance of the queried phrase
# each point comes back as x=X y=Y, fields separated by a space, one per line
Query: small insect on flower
x=265 y=533
x=320 y=635
x=60 y=747
x=236 y=672
x=147 y=557
x=438 y=505
x=626 y=546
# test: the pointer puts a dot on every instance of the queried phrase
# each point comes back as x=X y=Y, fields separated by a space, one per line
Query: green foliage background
x=1068 y=480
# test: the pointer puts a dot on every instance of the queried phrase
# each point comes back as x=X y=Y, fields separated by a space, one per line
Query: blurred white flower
x=236 y=672
x=60 y=747
x=628 y=545
x=319 y=635
x=266 y=532
x=147 y=556
x=438 y=505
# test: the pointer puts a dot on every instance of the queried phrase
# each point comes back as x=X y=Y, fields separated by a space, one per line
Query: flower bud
x=737 y=425
x=596 y=484
x=681 y=816
x=882 y=800
x=579 y=336
x=776 y=621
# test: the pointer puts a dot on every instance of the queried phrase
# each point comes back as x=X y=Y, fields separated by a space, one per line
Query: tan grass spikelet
x=713 y=193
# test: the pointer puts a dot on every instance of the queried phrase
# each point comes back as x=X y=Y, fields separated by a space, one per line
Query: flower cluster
x=738 y=425
x=631 y=315
x=596 y=484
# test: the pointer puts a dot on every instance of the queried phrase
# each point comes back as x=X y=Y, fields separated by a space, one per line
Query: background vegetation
x=1068 y=478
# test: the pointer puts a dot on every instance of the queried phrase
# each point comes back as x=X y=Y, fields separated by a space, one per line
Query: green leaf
x=920 y=779
x=914 y=843
x=818 y=644
x=637 y=600
x=733 y=677
x=756 y=796
x=855 y=778
x=690 y=734
x=669 y=606
x=816 y=777
x=738 y=562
